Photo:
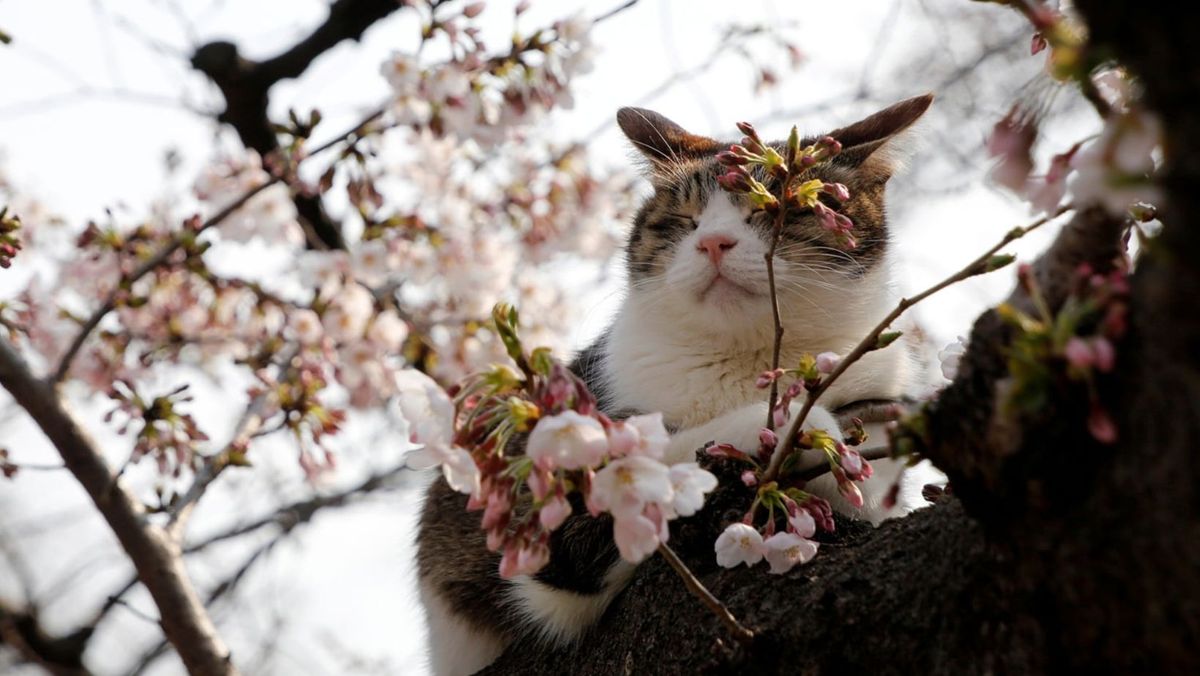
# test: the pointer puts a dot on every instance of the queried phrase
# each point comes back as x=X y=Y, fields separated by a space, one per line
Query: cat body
x=694 y=331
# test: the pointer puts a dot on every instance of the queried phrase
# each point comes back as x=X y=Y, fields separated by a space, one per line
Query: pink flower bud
x=852 y=461
x=554 y=512
x=1079 y=353
x=736 y=180
x=750 y=478
x=539 y=482
x=473 y=10
x=767 y=377
x=829 y=147
x=837 y=191
x=497 y=512
x=1101 y=426
x=1106 y=355
x=747 y=129
x=827 y=362
x=496 y=538
x=1037 y=44
x=893 y=494
x=532 y=558
x=730 y=159
x=849 y=490
x=509 y=561
x=768 y=438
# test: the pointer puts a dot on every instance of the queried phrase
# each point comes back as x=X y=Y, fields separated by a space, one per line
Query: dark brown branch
x=246 y=86
x=21 y=630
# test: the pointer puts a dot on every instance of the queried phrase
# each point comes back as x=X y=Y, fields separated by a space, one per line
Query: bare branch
x=157 y=559
x=869 y=343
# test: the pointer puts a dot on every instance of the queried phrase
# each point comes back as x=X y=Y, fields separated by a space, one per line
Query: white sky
x=66 y=138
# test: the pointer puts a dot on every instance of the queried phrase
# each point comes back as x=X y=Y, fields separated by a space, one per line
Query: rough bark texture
x=1058 y=554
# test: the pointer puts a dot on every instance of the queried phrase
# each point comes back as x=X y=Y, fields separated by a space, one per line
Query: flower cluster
x=783 y=496
x=1075 y=344
x=572 y=449
x=10 y=241
x=475 y=206
x=751 y=156
x=1115 y=170
x=481 y=96
x=164 y=432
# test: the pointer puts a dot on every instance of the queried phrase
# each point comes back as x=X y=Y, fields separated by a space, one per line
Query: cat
x=694 y=331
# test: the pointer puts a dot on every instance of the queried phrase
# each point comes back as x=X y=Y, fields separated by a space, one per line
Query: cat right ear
x=660 y=140
x=866 y=143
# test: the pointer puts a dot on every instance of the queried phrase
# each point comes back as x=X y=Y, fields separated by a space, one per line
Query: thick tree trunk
x=1058 y=554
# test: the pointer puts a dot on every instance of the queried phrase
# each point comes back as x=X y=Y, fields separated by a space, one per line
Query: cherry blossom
x=950 y=356
x=568 y=440
x=690 y=484
x=554 y=512
x=625 y=485
x=784 y=550
x=739 y=544
x=636 y=536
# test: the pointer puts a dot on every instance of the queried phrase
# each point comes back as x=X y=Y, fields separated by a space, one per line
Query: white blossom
x=568 y=440
x=950 y=357
x=348 y=313
x=738 y=544
x=785 y=550
x=690 y=484
x=626 y=485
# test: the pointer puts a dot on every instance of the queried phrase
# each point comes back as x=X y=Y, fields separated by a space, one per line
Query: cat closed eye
x=685 y=220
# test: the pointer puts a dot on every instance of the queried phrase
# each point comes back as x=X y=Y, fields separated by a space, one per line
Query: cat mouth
x=721 y=285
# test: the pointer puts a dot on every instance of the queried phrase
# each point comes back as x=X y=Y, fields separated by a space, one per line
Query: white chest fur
x=655 y=361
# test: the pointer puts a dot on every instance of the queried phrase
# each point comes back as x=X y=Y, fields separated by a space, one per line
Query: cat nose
x=715 y=246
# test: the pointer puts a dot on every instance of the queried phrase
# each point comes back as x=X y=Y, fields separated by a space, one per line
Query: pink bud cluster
x=784 y=496
x=10 y=241
x=807 y=375
x=752 y=155
x=572 y=449
x=1115 y=170
x=164 y=432
x=1077 y=342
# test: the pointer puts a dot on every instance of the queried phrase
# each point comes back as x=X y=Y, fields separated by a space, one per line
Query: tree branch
x=161 y=257
x=246 y=86
x=157 y=559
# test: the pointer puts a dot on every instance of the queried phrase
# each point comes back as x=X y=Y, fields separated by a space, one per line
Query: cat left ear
x=660 y=140
x=863 y=141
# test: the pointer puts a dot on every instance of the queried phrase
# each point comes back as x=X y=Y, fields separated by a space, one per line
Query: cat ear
x=660 y=140
x=866 y=143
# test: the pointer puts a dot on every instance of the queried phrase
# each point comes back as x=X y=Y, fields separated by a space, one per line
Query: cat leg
x=455 y=647
x=560 y=616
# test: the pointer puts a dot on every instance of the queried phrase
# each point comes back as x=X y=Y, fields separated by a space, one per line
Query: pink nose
x=716 y=246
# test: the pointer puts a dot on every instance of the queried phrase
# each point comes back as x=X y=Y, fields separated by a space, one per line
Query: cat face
x=700 y=251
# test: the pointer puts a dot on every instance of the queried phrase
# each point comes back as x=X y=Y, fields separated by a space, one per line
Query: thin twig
x=214 y=465
x=867 y=344
x=776 y=233
x=741 y=633
x=172 y=245
x=614 y=11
